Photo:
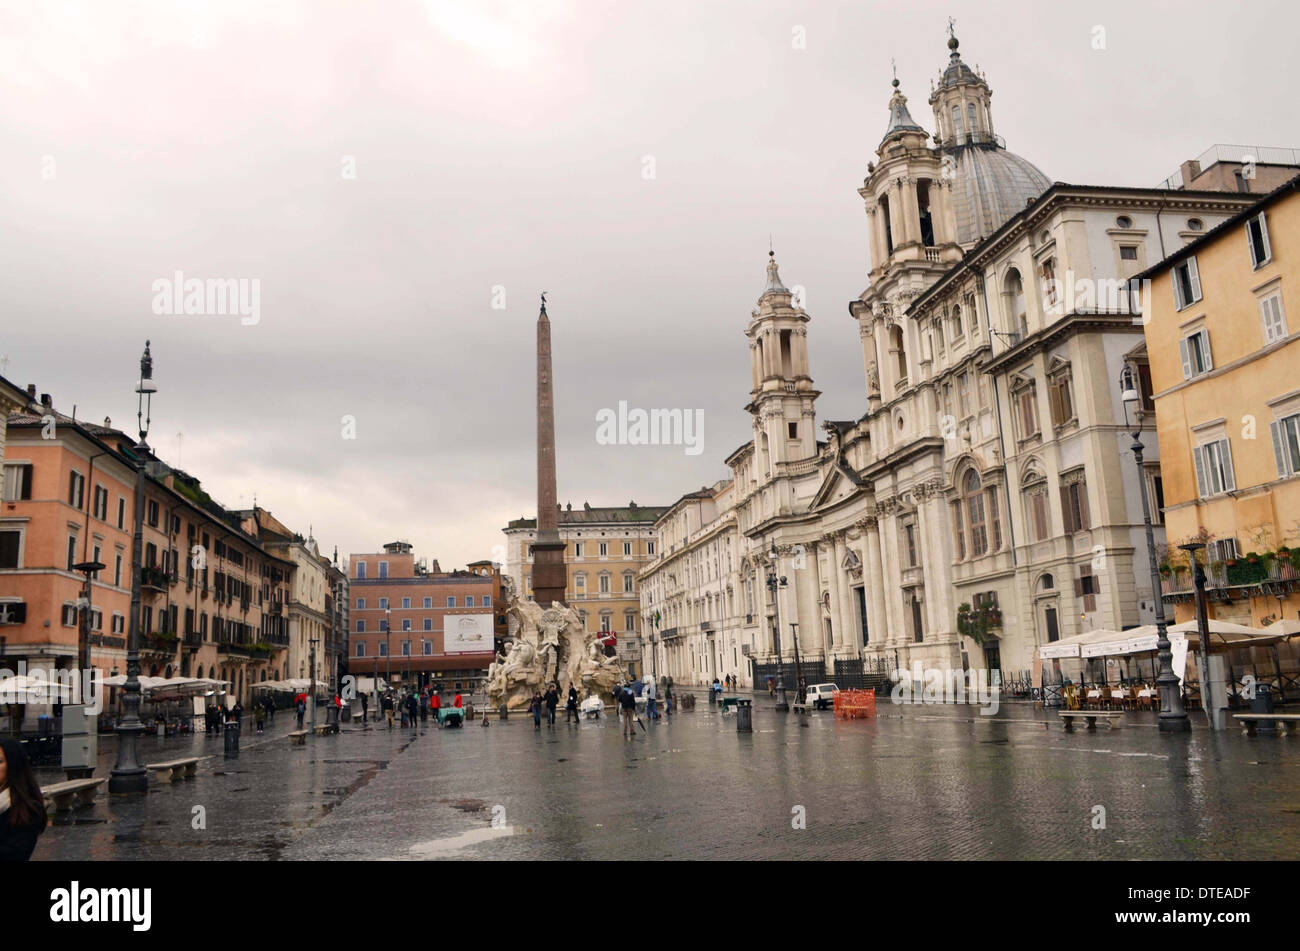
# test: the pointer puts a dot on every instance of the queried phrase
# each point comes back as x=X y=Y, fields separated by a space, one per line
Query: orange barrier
x=851 y=704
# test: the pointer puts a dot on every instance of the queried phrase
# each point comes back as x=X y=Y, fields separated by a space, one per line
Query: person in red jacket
x=456 y=702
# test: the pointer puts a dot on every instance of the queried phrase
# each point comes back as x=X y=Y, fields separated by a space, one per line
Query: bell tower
x=782 y=394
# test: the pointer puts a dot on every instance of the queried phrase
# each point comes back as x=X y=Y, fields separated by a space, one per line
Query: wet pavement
x=917 y=782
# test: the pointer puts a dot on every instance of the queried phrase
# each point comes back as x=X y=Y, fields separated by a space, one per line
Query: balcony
x=1266 y=576
x=706 y=626
x=155 y=580
x=669 y=633
x=158 y=643
x=193 y=640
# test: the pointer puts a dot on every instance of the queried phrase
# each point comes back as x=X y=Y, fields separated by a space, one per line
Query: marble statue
x=548 y=645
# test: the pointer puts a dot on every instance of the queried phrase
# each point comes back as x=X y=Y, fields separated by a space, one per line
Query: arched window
x=896 y=347
x=956 y=324
x=199 y=675
x=979 y=504
x=956 y=123
x=1046 y=583
x=1036 y=510
x=970 y=117
x=1013 y=293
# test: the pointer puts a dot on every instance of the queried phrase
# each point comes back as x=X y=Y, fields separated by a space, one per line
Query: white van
x=821 y=696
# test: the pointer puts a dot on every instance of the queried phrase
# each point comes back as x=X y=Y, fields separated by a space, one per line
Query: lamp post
x=1202 y=628
x=798 y=669
x=311 y=682
x=388 y=645
x=774 y=584
x=87 y=568
x=129 y=775
x=1173 y=718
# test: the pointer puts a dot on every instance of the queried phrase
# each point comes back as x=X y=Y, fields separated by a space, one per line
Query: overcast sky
x=508 y=144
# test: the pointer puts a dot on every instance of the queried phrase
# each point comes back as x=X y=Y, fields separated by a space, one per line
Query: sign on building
x=467 y=634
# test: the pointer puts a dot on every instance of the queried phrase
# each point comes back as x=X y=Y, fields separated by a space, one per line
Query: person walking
x=571 y=708
x=365 y=707
x=424 y=705
x=300 y=707
x=668 y=696
x=457 y=702
x=259 y=716
x=651 y=689
x=22 y=807
x=435 y=703
x=412 y=706
x=535 y=707
x=627 y=700
x=387 y=705
x=552 y=701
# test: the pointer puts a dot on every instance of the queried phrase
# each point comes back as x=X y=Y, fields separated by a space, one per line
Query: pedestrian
x=300 y=706
x=535 y=707
x=387 y=704
x=411 y=706
x=22 y=807
x=259 y=716
x=651 y=689
x=424 y=705
x=571 y=708
x=365 y=707
x=457 y=701
x=436 y=703
x=771 y=687
x=627 y=700
x=552 y=701
x=668 y=696
x=238 y=712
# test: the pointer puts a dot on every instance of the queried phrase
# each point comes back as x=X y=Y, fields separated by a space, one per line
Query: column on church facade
x=936 y=552
x=892 y=580
x=846 y=635
x=897 y=227
x=875 y=235
x=831 y=542
x=911 y=212
x=948 y=215
x=874 y=580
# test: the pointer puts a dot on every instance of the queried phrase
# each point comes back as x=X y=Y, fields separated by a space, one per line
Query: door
x=1049 y=618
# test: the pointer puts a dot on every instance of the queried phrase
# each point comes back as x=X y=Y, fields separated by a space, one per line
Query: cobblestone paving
x=918 y=782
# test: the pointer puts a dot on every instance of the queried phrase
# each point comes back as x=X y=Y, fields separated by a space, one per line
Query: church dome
x=990 y=185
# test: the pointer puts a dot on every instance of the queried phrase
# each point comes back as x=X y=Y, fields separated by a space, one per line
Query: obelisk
x=548 y=549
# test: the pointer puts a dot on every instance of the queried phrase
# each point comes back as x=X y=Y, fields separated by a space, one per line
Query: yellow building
x=1225 y=371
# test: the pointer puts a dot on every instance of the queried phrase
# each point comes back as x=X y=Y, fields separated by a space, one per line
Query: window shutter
x=1198 y=458
x=1263 y=236
x=1250 y=239
x=1185 y=352
x=1279 y=449
x=1177 y=285
x=1205 y=350
x=1195 y=279
x=1067 y=515
x=1229 y=480
x=1081 y=491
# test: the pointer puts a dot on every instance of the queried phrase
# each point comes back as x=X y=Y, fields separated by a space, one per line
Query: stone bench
x=322 y=729
x=800 y=707
x=1291 y=721
x=70 y=794
x=298 y=737
x=1092 y=716
x=180 y=768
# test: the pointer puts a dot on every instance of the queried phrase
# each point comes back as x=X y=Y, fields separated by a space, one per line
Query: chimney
x=1189 y=170
x=31 y=391
x=45 y=400
x=108 y=423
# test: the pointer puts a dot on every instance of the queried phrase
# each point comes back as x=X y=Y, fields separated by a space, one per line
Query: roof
x=1213 y=234
x=989 y=186
x=900 y=120
x=587 y=515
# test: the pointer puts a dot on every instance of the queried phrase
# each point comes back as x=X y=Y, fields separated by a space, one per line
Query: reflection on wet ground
x=919 y=782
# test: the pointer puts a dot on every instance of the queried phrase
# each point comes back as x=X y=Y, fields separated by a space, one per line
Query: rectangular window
x=604 y=584
x=361 y=626
x=627 y=549
x=10 y=544
x=577 y=549
x=361 y=648
x=963 y=394
x=1270 y=308
x=406 y=604
x=383 y=569
x=117 y=571
x=979 y=542
x=1074 y=506
x=1286 y=445
x=406 y=648
x=604 y=549
x=1195 y=352
x=1213 y=463
x=121 y=512
x=72 y=551
x=649 y=548
x=1038 y=514
x=1187 y=283
x=76 y=489
x=1128 y=252
x=428 y=602
x=627 y=584
x=958 y=531
x=428 y=624
x=1257 y=238
x=18 y=482
x=383 y=649
x=1087 y=589
x=451 y=601
x=995 y=526
x=361 y=604
x=1027 y=401
x=101 y=503
x=383 y=604
x=151 y=510
x=1061 y=399
x=406 y=624
x=427 y=647
x=909 y=543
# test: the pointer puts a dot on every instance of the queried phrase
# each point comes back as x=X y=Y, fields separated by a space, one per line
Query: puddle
x=466 y=805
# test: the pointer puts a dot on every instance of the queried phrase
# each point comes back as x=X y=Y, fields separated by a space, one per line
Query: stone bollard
x=232 y=739
x=744 y=716
x=503 y=713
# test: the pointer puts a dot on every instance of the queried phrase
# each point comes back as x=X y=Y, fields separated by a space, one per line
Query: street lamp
x=774 y=584
x=129 y=775
x=1173 y=718
x=799 y=690
x=388 y=645
x=87 y=568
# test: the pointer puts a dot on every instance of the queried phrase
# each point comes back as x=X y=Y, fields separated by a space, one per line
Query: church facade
x=985 y=502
